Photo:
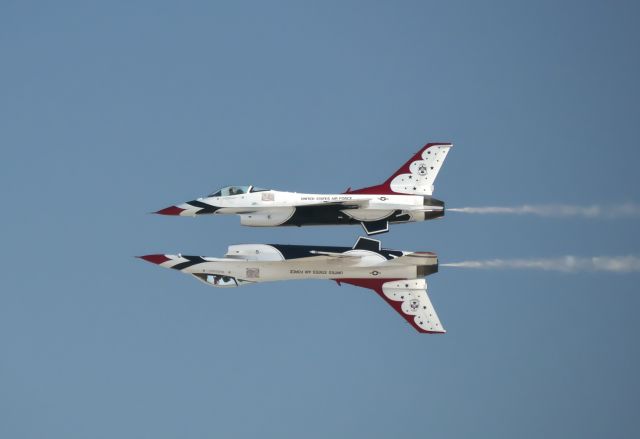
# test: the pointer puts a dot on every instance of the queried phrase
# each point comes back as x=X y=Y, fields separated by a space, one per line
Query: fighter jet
x=406 y=196
x=397 y=276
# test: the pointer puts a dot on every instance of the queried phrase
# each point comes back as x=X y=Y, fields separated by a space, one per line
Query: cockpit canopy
x=236 y=190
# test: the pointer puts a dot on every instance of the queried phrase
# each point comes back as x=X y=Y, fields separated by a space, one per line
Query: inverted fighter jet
x=406 y=196
x=397 y=276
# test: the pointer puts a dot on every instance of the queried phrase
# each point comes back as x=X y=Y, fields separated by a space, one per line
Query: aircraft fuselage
x=397 y=276
x=276 y=208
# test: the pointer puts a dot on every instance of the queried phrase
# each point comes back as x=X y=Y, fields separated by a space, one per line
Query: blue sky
x=110 y=110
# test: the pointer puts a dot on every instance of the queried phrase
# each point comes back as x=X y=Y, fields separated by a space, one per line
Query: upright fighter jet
x=406 y=196
x=397 y=276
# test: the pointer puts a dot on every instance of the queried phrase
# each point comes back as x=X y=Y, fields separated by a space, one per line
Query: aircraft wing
x=273 y=207
x=334 y=254
x=371 y=204
x=329 y=256
x=409 y=298
x=346 y=204
x=343 y=205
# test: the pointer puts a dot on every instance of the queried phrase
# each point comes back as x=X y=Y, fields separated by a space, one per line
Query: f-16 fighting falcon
x=397 y=276
x=406 y=196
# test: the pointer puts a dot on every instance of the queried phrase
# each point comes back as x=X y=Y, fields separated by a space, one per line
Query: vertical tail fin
x=416 y=176
x=408 y=297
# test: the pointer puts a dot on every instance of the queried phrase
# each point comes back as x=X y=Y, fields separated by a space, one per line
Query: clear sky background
x=110 y=110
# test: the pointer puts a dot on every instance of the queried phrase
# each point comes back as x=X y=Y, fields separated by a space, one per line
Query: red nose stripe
x=155 y=259
x=172 y=210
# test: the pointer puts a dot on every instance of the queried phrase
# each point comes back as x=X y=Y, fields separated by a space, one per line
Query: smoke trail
x=566 y=264
x=627 y=210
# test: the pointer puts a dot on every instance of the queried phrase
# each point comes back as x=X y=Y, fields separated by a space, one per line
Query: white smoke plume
x=626 y=210
x=565 y=264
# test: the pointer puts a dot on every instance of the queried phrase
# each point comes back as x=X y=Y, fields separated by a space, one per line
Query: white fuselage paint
x=254 y=271
x=276 y=207
x=263 y=263
x=400 y=278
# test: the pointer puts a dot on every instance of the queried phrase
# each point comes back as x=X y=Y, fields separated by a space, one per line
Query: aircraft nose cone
x=171 y=210
x=154 y=259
